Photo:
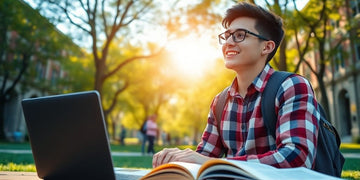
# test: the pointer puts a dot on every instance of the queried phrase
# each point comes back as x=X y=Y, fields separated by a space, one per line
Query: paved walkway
x=352 y=155
x=130 y=154
x=17 y=151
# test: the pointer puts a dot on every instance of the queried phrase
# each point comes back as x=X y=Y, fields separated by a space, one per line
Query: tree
x=316 y=36
x=186 y=112
x=148 y=91
x=27 y=41
x=313 y=23
x=151 y=88
x=280 y=60
x=102 y=22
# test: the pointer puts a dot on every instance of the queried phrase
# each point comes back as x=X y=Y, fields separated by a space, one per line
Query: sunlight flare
x=193 y=55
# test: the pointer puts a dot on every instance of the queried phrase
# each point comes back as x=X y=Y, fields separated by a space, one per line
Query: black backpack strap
x=268 y=100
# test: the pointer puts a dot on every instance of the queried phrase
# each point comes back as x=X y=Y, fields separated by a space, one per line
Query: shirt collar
x=259 y=82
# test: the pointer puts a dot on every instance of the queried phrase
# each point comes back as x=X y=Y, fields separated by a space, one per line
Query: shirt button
x=243 y=127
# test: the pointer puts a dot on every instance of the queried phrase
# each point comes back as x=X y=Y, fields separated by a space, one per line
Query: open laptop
x=68 y=137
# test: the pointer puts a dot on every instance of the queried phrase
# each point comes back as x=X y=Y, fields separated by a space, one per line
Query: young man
x=250 y=41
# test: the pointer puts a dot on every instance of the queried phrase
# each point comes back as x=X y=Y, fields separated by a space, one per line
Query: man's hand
x=174 y=154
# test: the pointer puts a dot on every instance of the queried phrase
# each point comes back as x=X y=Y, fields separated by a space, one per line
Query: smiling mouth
x=231 y=53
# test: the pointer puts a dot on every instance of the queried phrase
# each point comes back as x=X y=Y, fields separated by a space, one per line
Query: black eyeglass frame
x=234 y=39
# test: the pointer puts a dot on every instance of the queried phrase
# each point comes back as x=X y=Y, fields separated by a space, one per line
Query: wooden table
x=18 y=175
x=120 y=173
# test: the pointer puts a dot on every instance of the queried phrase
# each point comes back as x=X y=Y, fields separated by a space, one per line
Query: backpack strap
x=219 y=109
x=220 y=105
x=268 y=100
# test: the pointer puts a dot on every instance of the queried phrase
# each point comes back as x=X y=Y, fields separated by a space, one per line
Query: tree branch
x=115 y=98
x=308 y=20
x=65 y=10
x=310 y=67
x=104 y=18
x=4 y=80
x=136 y=15
x=25 y=63
x=115 y=27
x=303 y=51
x=117 y=68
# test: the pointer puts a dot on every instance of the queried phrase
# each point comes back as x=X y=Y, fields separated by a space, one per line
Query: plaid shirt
x=245 y=136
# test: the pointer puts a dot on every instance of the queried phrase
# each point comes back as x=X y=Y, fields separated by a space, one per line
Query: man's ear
x=269 y=47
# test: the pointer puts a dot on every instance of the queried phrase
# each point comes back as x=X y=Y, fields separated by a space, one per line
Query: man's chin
x=230 y=65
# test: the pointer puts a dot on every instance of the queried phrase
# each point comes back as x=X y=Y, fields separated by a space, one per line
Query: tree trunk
x=324 y=98
x=98 y=86
x=99 y=75
x=2 y=117
x=282 y=59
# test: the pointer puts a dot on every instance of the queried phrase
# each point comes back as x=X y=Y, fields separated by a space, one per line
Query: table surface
x=120 y=173
x=18 y=175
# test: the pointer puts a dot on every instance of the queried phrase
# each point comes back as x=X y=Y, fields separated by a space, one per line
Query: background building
x=32 y=58
x=342 y=75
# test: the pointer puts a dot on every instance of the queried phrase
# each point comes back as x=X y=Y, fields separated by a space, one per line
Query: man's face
x=247 y=53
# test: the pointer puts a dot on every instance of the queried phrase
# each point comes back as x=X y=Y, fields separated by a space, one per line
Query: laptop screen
x=68 y=136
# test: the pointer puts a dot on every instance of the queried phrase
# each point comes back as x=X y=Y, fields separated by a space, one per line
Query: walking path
x=17 y=151
x=131 y=154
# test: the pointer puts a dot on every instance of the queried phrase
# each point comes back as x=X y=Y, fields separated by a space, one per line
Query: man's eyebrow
x=231 y=30
x=227 y=31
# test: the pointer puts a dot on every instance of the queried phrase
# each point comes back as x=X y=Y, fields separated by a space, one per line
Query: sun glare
x=192 y=55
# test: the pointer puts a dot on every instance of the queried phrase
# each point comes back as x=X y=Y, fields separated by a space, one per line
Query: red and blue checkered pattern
x=244 y=134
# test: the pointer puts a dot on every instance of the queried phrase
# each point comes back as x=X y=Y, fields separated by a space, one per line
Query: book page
x=174 y=170
x=224 y=171
x=240 y=169
x=301 y=173
x=258 y=171
x=264 y=171
x=191 y=167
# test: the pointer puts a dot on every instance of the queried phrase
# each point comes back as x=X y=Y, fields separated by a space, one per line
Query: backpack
x=143 y=128
x=329 y=159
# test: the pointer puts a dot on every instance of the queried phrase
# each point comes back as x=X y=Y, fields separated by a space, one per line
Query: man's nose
x=230 y=40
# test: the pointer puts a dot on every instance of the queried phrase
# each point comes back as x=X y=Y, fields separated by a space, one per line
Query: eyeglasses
x=237 y=36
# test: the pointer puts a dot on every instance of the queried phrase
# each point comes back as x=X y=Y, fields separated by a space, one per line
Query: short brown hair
x=268 y=24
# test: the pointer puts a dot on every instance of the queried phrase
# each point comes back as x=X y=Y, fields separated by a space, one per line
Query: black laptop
x=68 y=136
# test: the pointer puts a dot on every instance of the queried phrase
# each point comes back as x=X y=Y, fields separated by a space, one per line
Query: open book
x=230 y=169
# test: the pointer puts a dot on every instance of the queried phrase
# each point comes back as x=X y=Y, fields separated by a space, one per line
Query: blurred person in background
x=151 y=133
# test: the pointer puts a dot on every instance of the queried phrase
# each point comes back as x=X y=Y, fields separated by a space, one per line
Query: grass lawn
x=25 y=162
